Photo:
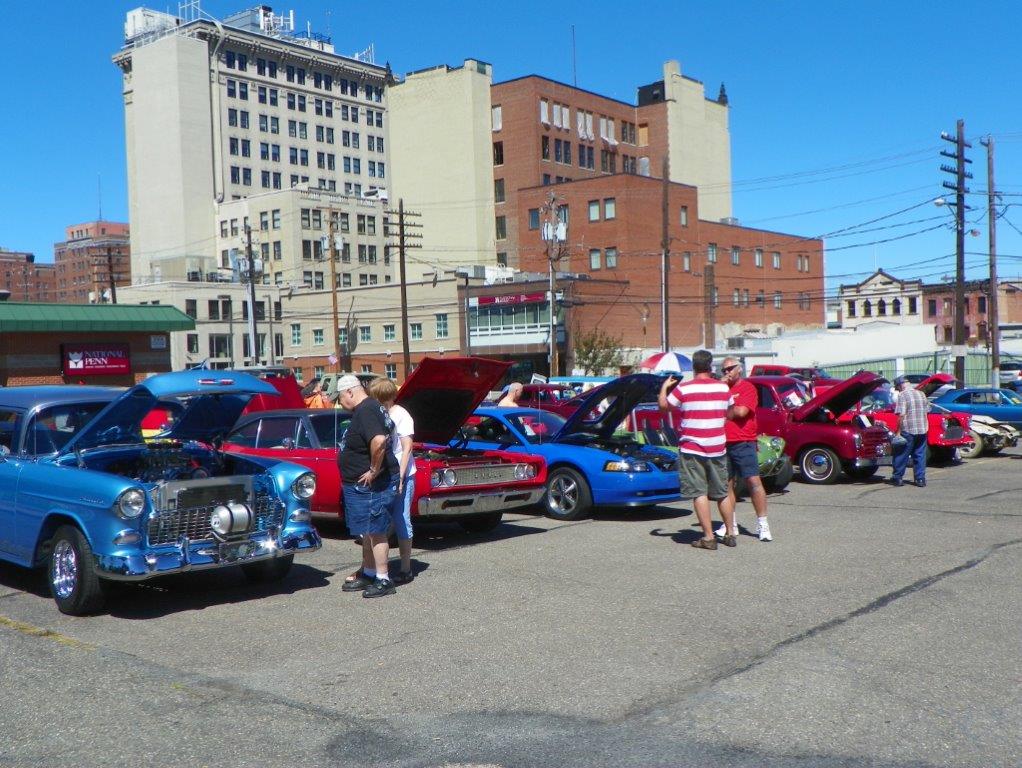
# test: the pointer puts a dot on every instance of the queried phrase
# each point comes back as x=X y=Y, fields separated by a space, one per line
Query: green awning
x=92 y=317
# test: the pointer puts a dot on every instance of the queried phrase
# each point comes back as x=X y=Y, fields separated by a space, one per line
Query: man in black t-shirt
x=369 y=481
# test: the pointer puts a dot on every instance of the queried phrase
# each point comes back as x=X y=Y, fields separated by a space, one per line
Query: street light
x=230 y=325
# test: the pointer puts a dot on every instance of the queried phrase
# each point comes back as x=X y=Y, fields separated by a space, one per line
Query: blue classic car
x=1000 y=404
x=587 y=464
x=83 y=493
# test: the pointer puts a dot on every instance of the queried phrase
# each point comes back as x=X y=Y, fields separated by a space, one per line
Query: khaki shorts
x=702 y=476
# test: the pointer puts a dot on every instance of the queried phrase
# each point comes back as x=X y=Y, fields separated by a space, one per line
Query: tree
x=596 y=351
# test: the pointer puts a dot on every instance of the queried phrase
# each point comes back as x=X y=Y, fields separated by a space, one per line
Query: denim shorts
x=742 y=460
x=401 y=510
x=367 y=511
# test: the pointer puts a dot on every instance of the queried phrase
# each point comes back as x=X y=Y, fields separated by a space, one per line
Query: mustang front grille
x=166 y=527
x=486 y=474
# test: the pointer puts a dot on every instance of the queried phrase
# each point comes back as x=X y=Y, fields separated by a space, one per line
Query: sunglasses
x=729 y=368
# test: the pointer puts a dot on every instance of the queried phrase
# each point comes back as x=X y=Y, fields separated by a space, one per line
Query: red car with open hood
x=471 y=487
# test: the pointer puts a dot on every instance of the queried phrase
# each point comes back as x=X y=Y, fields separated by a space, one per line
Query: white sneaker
x=722 y=531
x=763 y=530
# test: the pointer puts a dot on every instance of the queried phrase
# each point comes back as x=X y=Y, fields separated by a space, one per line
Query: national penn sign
x=95 y=359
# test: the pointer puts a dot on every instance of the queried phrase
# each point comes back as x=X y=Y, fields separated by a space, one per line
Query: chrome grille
x=485 y=474
x=167 y=526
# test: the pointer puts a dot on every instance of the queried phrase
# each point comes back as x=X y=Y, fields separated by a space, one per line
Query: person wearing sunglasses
x=740 y=431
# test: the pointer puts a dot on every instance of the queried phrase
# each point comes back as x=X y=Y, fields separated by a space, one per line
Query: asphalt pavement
x=881 y=627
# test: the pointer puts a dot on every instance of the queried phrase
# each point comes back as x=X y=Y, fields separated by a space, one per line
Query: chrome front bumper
x=461 y=505
x=882 y=461
x=204 y=555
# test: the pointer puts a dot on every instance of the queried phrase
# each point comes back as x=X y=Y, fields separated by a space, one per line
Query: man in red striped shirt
x=702 y=460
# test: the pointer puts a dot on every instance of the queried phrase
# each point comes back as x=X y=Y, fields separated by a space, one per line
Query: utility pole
x=552 y=233
x=110 y=274
x=250 y=275
x=710 y=313
x=402 y=239
x=269 y=333
x=959 y=188
x=665 y=264
x=993 y=315
x=333 y=288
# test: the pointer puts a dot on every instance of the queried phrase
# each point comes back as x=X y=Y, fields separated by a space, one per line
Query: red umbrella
x=666 y=361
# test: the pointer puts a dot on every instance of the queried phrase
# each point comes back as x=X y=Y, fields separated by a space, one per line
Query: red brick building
x=91 y=262
x=939 y=303
x=23 y=279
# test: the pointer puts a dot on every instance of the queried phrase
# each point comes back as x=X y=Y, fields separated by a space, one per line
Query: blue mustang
x=587 y=464
x=1000 y=404
x=85 y=494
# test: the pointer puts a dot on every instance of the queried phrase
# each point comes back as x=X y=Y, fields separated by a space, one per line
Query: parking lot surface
x=879 y=628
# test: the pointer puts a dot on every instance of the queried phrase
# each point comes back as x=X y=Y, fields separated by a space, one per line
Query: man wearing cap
x=911 y=409
x=369 y=483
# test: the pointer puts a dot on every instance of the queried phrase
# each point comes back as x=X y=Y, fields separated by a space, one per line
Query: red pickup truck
x=819 y=445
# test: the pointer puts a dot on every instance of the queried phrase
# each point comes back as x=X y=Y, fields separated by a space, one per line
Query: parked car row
x=210 y=469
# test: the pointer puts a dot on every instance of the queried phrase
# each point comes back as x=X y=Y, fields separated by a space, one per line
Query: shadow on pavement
x=436 y=537
x=29 y=580
x=639 y=514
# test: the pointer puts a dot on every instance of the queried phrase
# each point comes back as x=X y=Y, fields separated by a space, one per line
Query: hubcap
x=563 y=494
x=818 y=465
x=65 y=569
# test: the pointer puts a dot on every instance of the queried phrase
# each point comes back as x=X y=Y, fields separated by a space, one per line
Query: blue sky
x=836 y=108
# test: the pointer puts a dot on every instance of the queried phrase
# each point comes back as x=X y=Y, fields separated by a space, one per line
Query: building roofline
x=609 y=176
x=565 y=85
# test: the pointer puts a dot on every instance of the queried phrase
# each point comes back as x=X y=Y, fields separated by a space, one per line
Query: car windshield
x=792 y=395
x=1011 y=398
x=536 y=427
x=878 y=399
x=330 y=427
x=52 y=428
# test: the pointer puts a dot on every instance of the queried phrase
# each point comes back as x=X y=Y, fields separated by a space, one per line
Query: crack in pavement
x=870 y=607
x=928 y=510
x=993 y=493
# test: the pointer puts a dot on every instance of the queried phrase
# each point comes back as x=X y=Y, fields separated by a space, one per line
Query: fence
x=977 y=366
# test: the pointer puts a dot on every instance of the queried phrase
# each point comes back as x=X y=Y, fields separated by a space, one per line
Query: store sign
x=512 y=298
x=95 y=359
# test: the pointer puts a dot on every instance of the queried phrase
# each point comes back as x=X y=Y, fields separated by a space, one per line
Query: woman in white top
x=385 y=390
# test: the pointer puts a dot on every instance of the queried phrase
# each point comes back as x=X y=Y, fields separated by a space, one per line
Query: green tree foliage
x=597 y=351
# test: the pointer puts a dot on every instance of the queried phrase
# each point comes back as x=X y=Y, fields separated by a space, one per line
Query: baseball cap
x=347 y=382
x=899 y=381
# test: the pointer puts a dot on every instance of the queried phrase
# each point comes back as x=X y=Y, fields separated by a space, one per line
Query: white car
x=1010 y=374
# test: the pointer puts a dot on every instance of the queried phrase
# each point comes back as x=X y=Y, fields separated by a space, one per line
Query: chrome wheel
x=820 y=465
x=563 y=495
x=64 y=574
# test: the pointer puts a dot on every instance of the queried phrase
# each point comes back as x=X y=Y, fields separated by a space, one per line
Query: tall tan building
x=246 y=133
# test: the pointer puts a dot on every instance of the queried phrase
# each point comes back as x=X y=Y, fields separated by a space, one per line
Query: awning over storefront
x=25 y=317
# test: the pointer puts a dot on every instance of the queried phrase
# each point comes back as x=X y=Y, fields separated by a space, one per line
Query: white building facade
x=881 y=297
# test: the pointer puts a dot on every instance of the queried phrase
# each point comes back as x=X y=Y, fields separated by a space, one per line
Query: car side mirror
x=4 y=452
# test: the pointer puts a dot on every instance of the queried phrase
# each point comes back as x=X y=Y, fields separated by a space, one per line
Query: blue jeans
x=915 y=447
x=401 y=510
x=367 y=511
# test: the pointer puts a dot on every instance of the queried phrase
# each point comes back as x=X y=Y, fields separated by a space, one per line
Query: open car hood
x=211 y=403
x=623 y=394
x=441 y=394
x=935 y=382
x=842 y=396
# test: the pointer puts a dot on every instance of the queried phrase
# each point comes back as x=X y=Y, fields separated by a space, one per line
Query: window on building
x=317 y=336
x=498 y=153
x=736 y=255
x=594 y=210
x=390 y=370
x=191 y=308
x=609 y=208
x=711 y=253
x=912 y=305
x=881 y=308
x=497 y=117
x=981 y=304
x=389 y=332
x=867 y=308
x=595 y=258
x=610 y=255
x=415 y=331
x=683 y=216
x=758 y=257
x=544 y=147
x=544 y=111
x=441 y=326
x=686 y=261
x=498 y=191
x=296 y=334
x=501 y=227
x=365 y=333
x=192 y=343
x=736 y=297
x=931 y=307
x=851 y=309
x=777 y=299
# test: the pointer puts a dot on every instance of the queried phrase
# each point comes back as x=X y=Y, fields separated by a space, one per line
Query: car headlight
x=521 y=471
x=450 y=477
x=130 y=504
x=624 y=466
x=777 y=443
x=436 y=478
x=857 y=439
x=305 y=486
x=530 y=471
